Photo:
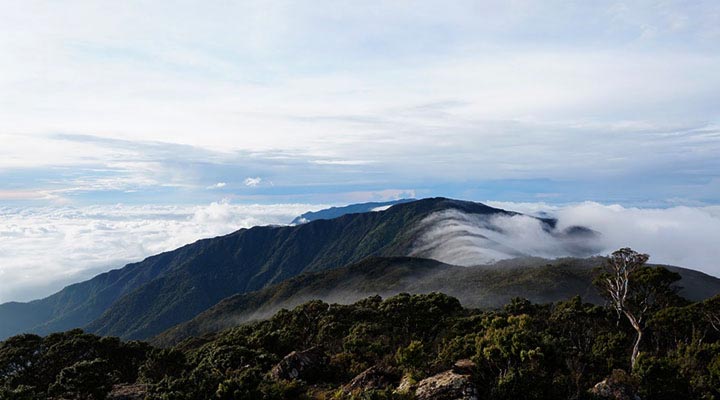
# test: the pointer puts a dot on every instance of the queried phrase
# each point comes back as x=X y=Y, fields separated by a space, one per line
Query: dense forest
x=647 y=341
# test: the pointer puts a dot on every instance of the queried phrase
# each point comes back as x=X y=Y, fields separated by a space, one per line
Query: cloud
x=398 y=96
x=218 y=185
x=456 y=237
x=252 y=182
x=682 y=236
x=43 y=249
x=342 y=162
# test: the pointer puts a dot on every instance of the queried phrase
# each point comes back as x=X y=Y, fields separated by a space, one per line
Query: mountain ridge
x=334 y=212
x=148 y=297
x=77 y=305
x=538 y=280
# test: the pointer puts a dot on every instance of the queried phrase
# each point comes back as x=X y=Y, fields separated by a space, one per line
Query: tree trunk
x=636 y=350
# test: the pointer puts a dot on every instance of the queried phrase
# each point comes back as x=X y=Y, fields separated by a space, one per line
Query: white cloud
x=43 y=249
x=682 y=236
x=342 y=162
x=397 y=82
x=459 y=238
x=253 y=182
x=218 y=185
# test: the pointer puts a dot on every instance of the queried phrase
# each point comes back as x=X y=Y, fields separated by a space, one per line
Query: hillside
x=404 y=347
x=538 y=280
x=145 y=298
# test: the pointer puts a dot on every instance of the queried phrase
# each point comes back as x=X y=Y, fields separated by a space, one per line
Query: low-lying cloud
x=44 y=249
x=682 y=236
x=460 y=238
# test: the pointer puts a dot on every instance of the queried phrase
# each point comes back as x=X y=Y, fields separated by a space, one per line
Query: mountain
x=536 y=279
x=148 y=297
x=334 y=212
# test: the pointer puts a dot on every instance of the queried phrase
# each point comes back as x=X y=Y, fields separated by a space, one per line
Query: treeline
x=523 y=351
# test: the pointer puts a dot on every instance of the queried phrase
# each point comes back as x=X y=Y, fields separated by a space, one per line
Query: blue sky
x=105 y=102
x=129 y=128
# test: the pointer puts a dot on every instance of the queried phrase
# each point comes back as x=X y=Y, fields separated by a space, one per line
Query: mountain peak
x=145 y=298
x=335 y=212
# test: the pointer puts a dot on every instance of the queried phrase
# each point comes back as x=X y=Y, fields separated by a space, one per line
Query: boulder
x=448 y=385
x=372 y=378
x=128 y=391
x=407 y=385
x=464 y=367
x=618 y=386
x=308 y=365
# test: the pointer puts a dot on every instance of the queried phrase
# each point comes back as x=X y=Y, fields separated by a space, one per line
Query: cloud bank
x=460 y=238
x=44 y=249
x=682 y=236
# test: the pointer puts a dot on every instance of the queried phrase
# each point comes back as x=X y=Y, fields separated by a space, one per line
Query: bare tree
x=711 y=311
x=615 y=282
x=636 y=290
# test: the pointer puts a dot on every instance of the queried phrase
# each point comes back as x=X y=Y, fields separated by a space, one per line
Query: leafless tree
x=616 y=283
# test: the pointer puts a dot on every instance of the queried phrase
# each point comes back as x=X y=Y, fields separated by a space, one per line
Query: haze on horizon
x=129 y=128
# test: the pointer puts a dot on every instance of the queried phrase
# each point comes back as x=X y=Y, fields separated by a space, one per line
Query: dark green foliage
x=66 y=364
x=162 y=363
x=20 y=360
x=536 y=280
x=521 y=351
x=412 y=358
x=84 y=380
x=661 y=379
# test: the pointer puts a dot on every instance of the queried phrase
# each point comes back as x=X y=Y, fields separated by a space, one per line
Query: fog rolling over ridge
x=456 y=237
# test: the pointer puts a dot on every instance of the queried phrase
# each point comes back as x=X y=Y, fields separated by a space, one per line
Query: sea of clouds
x=683 y=236
x=43 y=249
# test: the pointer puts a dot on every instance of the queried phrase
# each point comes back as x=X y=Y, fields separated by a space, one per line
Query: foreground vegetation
x=523 y=351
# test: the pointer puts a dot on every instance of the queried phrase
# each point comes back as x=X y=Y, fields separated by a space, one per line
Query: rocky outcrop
x=128 y=392
x=455 y=384
x=407 y=385
x=618 y=386
x=464 y=367
x=308 y=365
x=370 y=379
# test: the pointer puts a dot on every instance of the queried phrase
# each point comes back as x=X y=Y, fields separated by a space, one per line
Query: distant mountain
x=536 y=279
x=148 y=297
x=334 y=212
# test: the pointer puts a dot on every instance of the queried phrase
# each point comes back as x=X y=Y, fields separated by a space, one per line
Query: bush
x=660 y=379
x=85 y=380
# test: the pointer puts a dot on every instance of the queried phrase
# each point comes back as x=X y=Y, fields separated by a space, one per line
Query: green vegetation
x=143 y=299
x=489 y=287
x=524 y=350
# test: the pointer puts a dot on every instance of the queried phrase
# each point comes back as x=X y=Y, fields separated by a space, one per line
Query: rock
x=448 y=385
x=618 y=386
x=372 y=378
x=127 y=391
x=308 y=365
x=464 y=367
x=407 y=385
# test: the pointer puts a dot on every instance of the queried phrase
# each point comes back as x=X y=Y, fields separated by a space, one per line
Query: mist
x=459 y=238
x=682 y=236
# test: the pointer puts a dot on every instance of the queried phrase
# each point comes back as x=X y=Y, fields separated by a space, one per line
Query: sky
x=142 y=112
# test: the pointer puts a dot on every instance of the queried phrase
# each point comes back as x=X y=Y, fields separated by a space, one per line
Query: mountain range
x=423 y=245
x=334 y=212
